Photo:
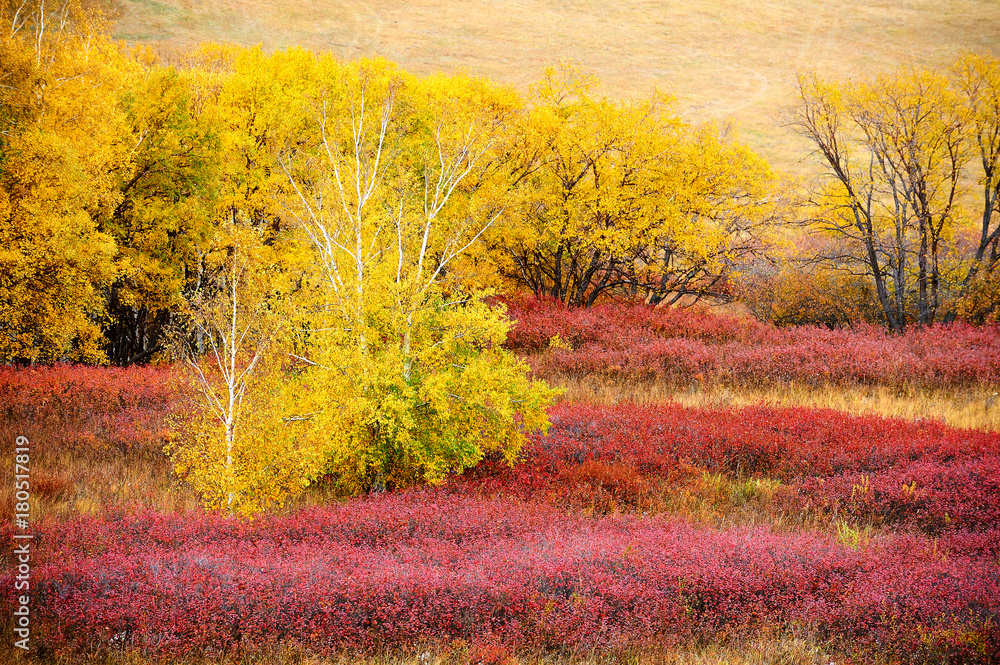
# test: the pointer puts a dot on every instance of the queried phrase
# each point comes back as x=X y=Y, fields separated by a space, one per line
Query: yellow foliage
x=237 y=450
x=625 y=197
x=54 y=136
x=405 y=370
x=271 y=459
x=901 y=148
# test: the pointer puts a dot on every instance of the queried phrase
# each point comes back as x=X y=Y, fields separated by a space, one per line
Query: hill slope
x=730 y=60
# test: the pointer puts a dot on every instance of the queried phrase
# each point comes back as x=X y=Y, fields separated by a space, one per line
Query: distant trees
x=978 y=83
x=897 y=149
x=118 y=172
x=626 y=199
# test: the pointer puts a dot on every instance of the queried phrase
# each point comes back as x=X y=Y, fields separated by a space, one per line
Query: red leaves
x=437 y=566
x=783 y=443
x=497 y=575
x=382 y=572
x=92 y=408
x=636 y=342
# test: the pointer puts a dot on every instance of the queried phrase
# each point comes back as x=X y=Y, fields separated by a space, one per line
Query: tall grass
x=969 y=408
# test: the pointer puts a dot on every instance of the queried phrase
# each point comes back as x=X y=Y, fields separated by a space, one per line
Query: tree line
x=120 y=172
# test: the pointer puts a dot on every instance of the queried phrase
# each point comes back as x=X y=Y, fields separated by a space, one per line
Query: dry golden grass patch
x=777 y=648
x=86 y=476
x=972 y=408
x=723 y=59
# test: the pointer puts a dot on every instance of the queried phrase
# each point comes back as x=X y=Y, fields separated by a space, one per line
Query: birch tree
x=237 y=451
x=392 y=187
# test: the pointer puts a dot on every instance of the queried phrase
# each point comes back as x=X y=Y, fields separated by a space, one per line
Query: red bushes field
x=920 y=475
x=79 y=406
x=96 y=434
x=785 y=443
x=883 y=539
x=636 y=342
x=442 y=565
x=433 y=567
x=63 y=391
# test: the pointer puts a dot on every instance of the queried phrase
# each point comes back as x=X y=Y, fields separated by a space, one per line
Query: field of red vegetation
x=623 y=529
x=425 y=567
x=635 y=342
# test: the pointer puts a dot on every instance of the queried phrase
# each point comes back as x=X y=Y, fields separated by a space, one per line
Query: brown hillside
x=729 y=60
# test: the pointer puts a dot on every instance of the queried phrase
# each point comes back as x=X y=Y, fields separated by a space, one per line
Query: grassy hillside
x=729 y=60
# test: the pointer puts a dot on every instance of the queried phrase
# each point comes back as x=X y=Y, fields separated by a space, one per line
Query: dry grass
x=723 y=59
x=964 y=408
x=778 y=648
x=71 y=478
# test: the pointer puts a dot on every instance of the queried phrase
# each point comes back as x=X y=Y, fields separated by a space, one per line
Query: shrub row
x=782 y=443
x=636 y=342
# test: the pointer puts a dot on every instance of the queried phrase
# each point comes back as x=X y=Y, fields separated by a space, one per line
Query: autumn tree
x=55 y=131
x=895 y=150
x=163 y=185
x=625 y=198
x=408 y=380
x=241 y=449
x=236 y=449
x=728 y=205
x=105 y=173
x=977 y=79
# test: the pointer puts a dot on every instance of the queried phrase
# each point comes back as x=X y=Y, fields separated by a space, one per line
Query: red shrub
x=930 y=494
x=921 y=475
x=90 y=407
x=425 y=566
x=784 y=443
x=636 y=342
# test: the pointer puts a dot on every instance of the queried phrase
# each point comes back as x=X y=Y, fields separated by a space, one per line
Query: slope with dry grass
x=727 y=60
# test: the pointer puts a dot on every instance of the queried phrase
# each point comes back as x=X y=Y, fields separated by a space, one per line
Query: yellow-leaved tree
x=403 y=373
x=625 y=198
x=896 y=148
x=977 y=79
x=56 y=147
x=239 y=449
x=236 y=449
x=105 y=170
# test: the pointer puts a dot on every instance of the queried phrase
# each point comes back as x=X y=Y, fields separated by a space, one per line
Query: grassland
x=726 y=60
